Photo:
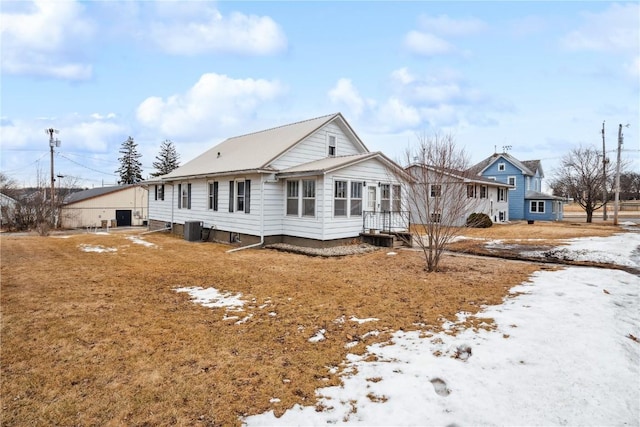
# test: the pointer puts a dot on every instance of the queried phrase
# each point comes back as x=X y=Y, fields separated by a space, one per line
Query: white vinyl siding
x=315 y=147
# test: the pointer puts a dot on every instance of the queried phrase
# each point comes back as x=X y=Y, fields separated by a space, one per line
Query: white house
x=122 y=205
x=312 y=182
x=437 y=194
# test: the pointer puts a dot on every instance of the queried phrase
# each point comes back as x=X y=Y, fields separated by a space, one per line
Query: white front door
x=371 y=198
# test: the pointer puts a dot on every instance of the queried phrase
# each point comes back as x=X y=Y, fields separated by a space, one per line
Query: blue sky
x=540 y=77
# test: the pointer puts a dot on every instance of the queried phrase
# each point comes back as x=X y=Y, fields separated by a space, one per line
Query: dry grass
x=103 y=339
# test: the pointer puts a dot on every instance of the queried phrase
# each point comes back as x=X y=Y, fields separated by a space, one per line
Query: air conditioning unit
x=193 y=231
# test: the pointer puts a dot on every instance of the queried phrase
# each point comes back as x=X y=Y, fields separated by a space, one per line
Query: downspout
x=261 y=242
x=172 y=204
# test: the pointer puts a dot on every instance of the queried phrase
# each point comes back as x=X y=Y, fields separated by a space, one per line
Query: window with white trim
x=159 y=193
x=536 y=206
x=396 y=201
x=502 y=194
x=512 y=181
x=332 y=142
x=340 y=198
x=471 y=191
x=356 y=198
x=501 y=167
x=292 y=197
x=184 y=196
x=483 y=191
x=213 y=195
x=308 y=197
x=435 y=190
x=239 y=195
x=385 y=197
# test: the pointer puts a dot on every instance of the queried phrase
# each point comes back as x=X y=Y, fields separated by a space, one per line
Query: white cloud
x=614 y=30
x=426 y=44
x=438 y=100
x=444 y=25
x=214 y=101
x=633 y=67
x=45 y=38
x=209 y=31
x=345 y=93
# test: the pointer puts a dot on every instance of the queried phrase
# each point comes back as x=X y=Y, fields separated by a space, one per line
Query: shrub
x=479 y=220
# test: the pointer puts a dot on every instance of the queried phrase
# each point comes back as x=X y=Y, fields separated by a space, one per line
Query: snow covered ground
x=565 y=352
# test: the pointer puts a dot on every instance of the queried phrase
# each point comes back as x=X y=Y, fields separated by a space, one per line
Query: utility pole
x=617 y=198
x=52 y=143
x=604 y=177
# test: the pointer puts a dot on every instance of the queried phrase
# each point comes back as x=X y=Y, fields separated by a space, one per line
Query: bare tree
x=440 y=194
x=580 y=177
x=32 y=207
x=630 y=186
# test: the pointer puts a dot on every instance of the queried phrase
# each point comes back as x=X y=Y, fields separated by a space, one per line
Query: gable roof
x=256 y=151
x=528 y=167
x=465 y=176
x=95 y=192
x=330 y=164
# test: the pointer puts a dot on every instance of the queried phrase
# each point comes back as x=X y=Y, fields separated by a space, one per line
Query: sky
x=535 y=78
x=562 y=353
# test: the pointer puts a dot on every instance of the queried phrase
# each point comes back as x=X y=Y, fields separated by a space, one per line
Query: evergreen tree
x=167 y=159
x=130 y=169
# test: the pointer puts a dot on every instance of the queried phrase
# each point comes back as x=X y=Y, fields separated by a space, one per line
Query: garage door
x=123 y=218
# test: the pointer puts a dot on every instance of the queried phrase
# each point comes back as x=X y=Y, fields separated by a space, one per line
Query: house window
x=159 y=194
x=501 y=167
x=502 y=216
x=512 y=181
x=537 y=206
x=356 y=198
x=385 y=197
x=483 y=191
x=184 y=196
x=397 y=202
x=292 y=198
x=502 y=194
x=471 y=191
x=331 y=143
x=436 y=190
x=340 y=198
x=308 y=197
x=213 y=195
x=239 y=195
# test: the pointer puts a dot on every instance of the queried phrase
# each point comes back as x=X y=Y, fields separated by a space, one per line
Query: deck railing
x=385 y=221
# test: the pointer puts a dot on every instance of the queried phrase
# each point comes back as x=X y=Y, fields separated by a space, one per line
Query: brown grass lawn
x=103 y=339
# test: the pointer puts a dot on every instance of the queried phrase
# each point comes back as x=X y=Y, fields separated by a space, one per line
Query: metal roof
x=94 y=192
x=255 y=151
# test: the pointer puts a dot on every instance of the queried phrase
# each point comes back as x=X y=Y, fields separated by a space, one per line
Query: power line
x=26 y=166
x=86 y=167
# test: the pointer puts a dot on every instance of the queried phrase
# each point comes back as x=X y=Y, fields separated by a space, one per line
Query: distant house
x=7 y=209
x=453 y=194
x=310 y=183
x=526 y=199
x=122 y=205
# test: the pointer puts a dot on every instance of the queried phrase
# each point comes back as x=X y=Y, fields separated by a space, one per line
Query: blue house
x=526 y=199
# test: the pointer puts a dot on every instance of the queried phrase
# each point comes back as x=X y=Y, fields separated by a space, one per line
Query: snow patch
x=97 y=248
